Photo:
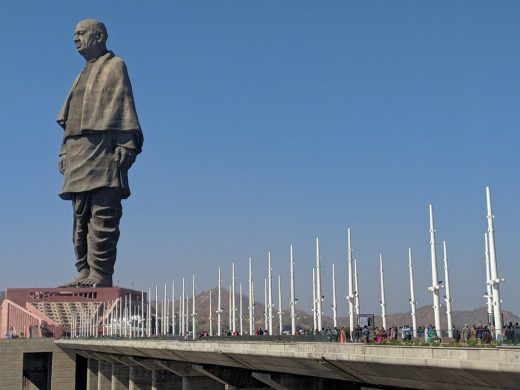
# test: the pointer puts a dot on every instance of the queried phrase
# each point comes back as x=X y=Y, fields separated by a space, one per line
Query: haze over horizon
x=268 y=124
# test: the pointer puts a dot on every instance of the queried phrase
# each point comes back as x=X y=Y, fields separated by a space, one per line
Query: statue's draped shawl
x=108 y=102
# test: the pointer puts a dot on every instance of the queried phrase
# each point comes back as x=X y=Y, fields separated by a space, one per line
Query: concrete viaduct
x=231 y=363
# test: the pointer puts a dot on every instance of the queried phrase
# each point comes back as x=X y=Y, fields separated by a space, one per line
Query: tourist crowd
x=480 y=333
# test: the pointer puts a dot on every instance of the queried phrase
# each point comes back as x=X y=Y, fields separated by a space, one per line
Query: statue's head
x=90 y=38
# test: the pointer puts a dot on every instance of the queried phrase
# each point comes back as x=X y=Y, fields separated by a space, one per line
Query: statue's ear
x=100 y=37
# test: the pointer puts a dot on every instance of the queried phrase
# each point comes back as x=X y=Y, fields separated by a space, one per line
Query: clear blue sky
x=268 y=123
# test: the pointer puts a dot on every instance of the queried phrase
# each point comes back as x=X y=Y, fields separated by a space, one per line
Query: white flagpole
x=219 y=310
x=210 y=318
x=253 y=295
x=350 y=296
x=233 y=298
x=181 y=302
x=251 y=303
x=230 y=315
x=270 y=293
x=193 y=311
x=495 y=280
x=149 y=314
x=319 y=294
x=183 y=310
x=173 y=308
x=156 y=312
x=241 y=322
x=280 y=304
x=314 y=319
x=447 y=299
x=383 y=303
x=412 y=294
x=121 y=314
x=334 y=307
x=435 y=279
x=356 y=291
x=165 y=311
x=266 y=304
x=187 y=317
x=142 y=314
x=489 y=292
x=293 y=299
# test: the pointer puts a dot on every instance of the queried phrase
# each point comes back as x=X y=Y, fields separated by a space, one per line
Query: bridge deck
x=413 y=367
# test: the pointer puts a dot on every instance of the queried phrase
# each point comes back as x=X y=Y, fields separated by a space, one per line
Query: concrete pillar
x=154 y=379
x=200 y=383
x=104 y=375
x=120 y=376
x=92 y=374
x=139 y=378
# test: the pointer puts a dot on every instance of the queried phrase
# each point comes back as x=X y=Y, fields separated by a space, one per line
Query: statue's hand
x=61 y=164
x=124 y=157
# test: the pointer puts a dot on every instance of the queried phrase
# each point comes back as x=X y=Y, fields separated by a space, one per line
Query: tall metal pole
x=350 y=296
x=142 y=314
x=183 y=308
x=447 y=299
x=241 y=322
x=334 y=307
x=412 y=294
x=253 y=311
x=319 y=294
x=293 y=301
x=251 y=302
x=314 y=319
x=173 y=308
x=270 y=292
x=149 y=314
x=193 y=311
x=219 y=310
x=187 y=317
x=495 y=280
x=210 y=316
x=181 y=300
x=356 y=290
x=165 y=311
x=230 y=315
x=435 y=287
x=156 y=312
x=489 y=292
x=383 y=302
x=265 y=306
x=280 y=304
x=233 y=303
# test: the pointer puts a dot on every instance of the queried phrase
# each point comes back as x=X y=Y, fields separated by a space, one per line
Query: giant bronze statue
x=101 y=139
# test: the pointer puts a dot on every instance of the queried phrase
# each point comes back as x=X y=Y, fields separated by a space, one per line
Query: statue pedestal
x=52 y=312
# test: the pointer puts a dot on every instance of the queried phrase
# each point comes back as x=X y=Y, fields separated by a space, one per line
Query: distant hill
x=304 y=320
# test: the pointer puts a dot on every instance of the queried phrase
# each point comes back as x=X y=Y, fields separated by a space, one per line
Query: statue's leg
x=103 y=234
x=81 y=215
x=81 y=205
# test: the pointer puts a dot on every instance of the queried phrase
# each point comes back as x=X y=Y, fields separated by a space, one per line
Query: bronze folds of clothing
x=96 y=230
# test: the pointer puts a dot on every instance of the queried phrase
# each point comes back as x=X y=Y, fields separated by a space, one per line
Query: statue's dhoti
x=96 y=230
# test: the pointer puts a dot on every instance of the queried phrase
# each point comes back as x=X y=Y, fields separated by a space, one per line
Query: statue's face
x=86 y=38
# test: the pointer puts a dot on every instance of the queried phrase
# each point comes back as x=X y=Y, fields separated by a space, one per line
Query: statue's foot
x=82 y=275
x=95 y=282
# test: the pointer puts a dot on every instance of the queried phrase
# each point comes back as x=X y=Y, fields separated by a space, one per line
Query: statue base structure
x=69 y=311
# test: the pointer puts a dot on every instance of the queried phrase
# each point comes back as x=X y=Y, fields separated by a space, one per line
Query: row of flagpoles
x=135 y=318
